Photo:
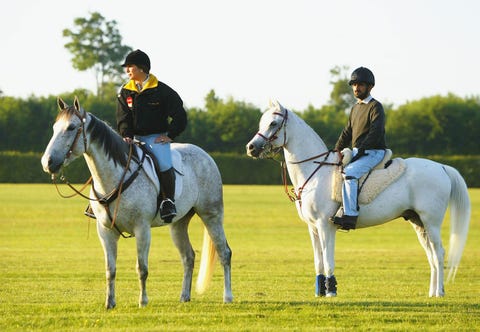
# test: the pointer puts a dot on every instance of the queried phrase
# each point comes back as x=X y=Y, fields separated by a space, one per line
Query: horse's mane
x=110 y=141
x=113 y=145
x=308 y=129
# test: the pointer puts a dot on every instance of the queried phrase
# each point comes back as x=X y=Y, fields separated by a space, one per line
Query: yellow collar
x=152 y=82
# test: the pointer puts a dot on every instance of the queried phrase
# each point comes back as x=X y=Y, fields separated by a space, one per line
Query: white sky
x=254 y=50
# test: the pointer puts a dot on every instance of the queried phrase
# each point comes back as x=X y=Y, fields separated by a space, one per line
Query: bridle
x=292 y=195
x=81 y=130
x=274 y=136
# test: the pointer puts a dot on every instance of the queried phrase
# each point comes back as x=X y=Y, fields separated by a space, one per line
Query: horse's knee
x=111 y=274
x=142 y=270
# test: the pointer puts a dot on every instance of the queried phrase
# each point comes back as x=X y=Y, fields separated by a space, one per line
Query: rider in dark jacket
x=145 y=106
x=365 y=132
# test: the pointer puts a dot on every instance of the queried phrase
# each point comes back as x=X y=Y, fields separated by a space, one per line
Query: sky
x=255 y=50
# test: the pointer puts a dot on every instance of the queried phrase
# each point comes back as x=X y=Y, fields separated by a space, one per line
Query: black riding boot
x=167 y=207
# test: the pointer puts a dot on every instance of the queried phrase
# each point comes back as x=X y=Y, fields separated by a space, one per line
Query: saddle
x=373 y=183
x=152 y=169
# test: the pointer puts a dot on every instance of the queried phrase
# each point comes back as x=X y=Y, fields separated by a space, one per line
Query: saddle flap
x=152 y=171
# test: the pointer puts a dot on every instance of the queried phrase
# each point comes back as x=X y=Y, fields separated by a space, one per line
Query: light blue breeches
x=160 y=150
x=352 y=173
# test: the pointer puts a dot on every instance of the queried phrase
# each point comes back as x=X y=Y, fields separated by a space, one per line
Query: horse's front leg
x=143 y=237
x=109 y=240
x=327 y=234
x=320 y=289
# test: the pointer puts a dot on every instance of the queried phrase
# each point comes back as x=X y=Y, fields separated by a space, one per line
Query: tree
x=97 y=44
x=341 y=96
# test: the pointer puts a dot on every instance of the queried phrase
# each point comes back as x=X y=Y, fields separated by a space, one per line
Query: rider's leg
x=167 y=207
x=167 y=175
x=353 y=172
x=350 y=204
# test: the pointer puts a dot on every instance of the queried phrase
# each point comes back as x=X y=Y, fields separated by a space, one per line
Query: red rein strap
x=292 y=195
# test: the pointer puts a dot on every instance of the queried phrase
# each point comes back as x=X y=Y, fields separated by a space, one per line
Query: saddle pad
x=378 y=180
x=149 y=169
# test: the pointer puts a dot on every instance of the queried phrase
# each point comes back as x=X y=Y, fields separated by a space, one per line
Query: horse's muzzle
x=253 y=150
x=51 y=165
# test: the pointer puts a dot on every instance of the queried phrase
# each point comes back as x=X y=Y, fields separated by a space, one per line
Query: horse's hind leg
x=143 y=237
x=179 y=233
x=213 y=220
x=438 y=254
x=109 y=240
x=435 y=259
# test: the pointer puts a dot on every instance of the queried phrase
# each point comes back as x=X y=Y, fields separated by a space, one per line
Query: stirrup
x=89 y=212
x=167 y=210
x=345 y=222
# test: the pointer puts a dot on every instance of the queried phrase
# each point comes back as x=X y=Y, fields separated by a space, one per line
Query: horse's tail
x=207 y=263
x=459 y=220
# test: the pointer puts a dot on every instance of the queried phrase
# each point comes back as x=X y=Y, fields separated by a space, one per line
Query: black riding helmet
x=139 y=59
x=362 y=74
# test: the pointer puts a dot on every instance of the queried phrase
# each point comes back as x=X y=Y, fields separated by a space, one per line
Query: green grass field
x=52 y=273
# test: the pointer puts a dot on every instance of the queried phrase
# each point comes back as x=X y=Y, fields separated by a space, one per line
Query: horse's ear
x=273 y=103
x=279 y=106
x=61 y=104
x=76 y=104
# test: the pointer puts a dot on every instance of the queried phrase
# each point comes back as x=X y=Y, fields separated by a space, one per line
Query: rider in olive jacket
x=365 y=132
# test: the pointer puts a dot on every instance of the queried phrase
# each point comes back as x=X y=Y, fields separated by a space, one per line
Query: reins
x=106 y=199
x=297 y=196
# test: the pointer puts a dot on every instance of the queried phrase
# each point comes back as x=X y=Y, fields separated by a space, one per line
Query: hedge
x=16 y=167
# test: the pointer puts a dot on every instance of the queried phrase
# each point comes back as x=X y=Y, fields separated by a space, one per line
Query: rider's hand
x=360 y=153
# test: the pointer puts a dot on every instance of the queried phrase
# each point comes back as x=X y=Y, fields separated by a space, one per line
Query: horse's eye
x=273 y=124
x=71 y=127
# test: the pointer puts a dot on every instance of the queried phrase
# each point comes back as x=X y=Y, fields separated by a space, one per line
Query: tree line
x=436 y=125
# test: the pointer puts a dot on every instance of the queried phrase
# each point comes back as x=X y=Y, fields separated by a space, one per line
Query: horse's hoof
x=109 y=306
x=142 y=302
x=184 y=299
x=228 y=299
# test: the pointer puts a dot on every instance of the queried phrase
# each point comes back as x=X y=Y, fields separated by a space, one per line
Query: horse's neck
x=105 y=173
x=302 y=143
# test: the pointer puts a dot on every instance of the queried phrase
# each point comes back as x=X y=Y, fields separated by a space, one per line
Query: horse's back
x=428 y=180
x=200 y=165
x=202 y=182
x=428 y=168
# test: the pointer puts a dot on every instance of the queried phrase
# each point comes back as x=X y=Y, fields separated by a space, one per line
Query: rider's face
x=134 y=73
x=361 y=90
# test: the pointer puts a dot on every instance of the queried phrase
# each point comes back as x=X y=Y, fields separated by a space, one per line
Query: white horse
x=129 y=198
x=421 y=195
